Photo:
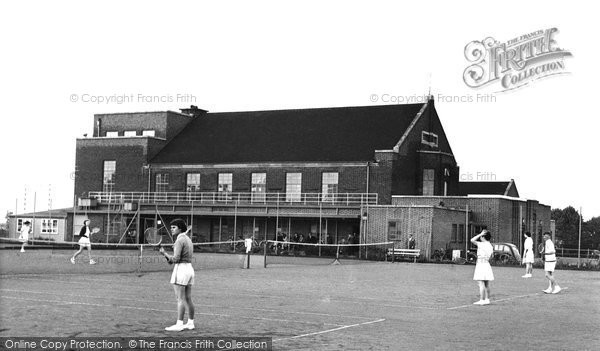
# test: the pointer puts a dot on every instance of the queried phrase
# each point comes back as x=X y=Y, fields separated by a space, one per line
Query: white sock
x=190 y=321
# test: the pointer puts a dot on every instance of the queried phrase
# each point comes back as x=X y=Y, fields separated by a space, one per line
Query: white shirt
x=248 y=243
x=528 y=244
x=549 y=251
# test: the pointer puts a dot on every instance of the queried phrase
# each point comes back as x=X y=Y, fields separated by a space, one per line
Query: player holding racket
x=24 y=237
x=183 y=274
x=549 y=254
x=483 y=271
x=84 y=241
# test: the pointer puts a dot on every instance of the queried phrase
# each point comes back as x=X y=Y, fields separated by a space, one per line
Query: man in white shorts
x=549 y=265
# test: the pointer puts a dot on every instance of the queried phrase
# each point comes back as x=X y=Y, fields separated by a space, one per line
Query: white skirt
x=528 y=257
x=183 y=274
x=483 y=271
x=24 y=237
x=84 y=242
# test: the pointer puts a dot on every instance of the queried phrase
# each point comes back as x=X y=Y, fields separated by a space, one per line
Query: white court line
x=501 y=300
x=331 y=330
x=196 y=304
x=58 y=302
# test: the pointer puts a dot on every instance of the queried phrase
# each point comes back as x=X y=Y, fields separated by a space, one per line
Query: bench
x=400 y=253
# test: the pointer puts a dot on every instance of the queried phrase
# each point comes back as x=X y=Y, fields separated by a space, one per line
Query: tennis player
x=182 y=277
x=483 y=271
x=549 y=265
x=84 y=241
x=24 y=236
x=528 y=256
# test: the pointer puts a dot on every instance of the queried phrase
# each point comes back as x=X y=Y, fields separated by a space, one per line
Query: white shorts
x=549 y=266
x=183 y=274
x=84 y=242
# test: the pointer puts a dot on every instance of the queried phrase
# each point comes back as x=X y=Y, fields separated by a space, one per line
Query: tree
x=567 y=225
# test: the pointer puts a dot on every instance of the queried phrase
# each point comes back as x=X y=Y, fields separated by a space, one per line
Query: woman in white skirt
x=24 y=236
x=84 y=241
x=528 y=255
x=182 y=277
x=483 y=271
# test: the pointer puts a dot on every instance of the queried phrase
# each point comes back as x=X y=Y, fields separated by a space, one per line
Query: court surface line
x=331 y=330
x=502 y=300
x=58 y=302
x=196 y=304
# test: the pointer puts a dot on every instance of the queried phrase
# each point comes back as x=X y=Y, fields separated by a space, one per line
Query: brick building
x=381 y=172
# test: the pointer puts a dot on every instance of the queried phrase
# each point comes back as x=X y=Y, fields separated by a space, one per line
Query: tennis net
x=43 y=256
x=284 y=252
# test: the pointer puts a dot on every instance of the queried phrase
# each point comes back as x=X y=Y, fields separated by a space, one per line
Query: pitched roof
x=488 y=188
x=321 y=134
x=55 y=213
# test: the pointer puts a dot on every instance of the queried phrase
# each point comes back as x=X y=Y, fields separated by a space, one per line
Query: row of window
x=49 y=226
x=130 y=133
x=293 y=188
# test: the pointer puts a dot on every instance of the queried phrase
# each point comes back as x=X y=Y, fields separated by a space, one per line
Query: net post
x=265 y=255
x=248 y=260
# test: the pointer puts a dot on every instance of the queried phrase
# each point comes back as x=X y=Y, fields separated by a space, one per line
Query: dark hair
x=528 y=234
x=85 y=220
x=27 y=222
x=487 y=235
x=548 y=233
x=180 y=224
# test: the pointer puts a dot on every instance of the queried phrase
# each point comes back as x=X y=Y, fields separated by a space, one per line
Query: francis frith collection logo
x=516 y=62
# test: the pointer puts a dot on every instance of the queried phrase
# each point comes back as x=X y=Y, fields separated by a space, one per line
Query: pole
x=466 y=231
x=579 y=242
x=33 y=224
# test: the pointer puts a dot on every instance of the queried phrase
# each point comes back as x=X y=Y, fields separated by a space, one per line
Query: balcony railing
x=271 y=199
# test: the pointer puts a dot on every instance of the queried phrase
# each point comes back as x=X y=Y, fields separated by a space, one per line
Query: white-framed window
x=430 y=139
x=428 y=181
x=225 y=185
x=130 y=133
x=162 y=182
x=259 y=187
x=149 y=133
x=330 y=185
x=20 y=222
x=108 y=177
x=49 y=226
x=192 y=183
x=112 y=134
x=293 y=187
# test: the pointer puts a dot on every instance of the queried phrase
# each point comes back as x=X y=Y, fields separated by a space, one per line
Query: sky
x=64 y=61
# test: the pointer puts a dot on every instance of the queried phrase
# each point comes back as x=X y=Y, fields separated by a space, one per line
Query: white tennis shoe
x=189 y=326
x=556 y=290
x=72 y=260
x=486 y=302
x=547 y=291
x=176 y=327
x=92 y=262
x=526 y=276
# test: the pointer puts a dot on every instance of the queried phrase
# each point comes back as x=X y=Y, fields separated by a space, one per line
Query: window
x=112 y=134
x=225 y=185
x=162 y=182
x=259 y=187
x=330 y=186
x=49 y=226
x=430 y=139
x=293 y=187
x=394 y=230
x=148 y=133
x=428 y=181
x=454 y=237
x=20 y=222
x=108 y=178
x=193 y=182
x=130 y=133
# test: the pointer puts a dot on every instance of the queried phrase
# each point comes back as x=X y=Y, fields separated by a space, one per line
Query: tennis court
x=360 y=306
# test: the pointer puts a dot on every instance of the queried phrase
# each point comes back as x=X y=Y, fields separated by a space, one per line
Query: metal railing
x=272 y=199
